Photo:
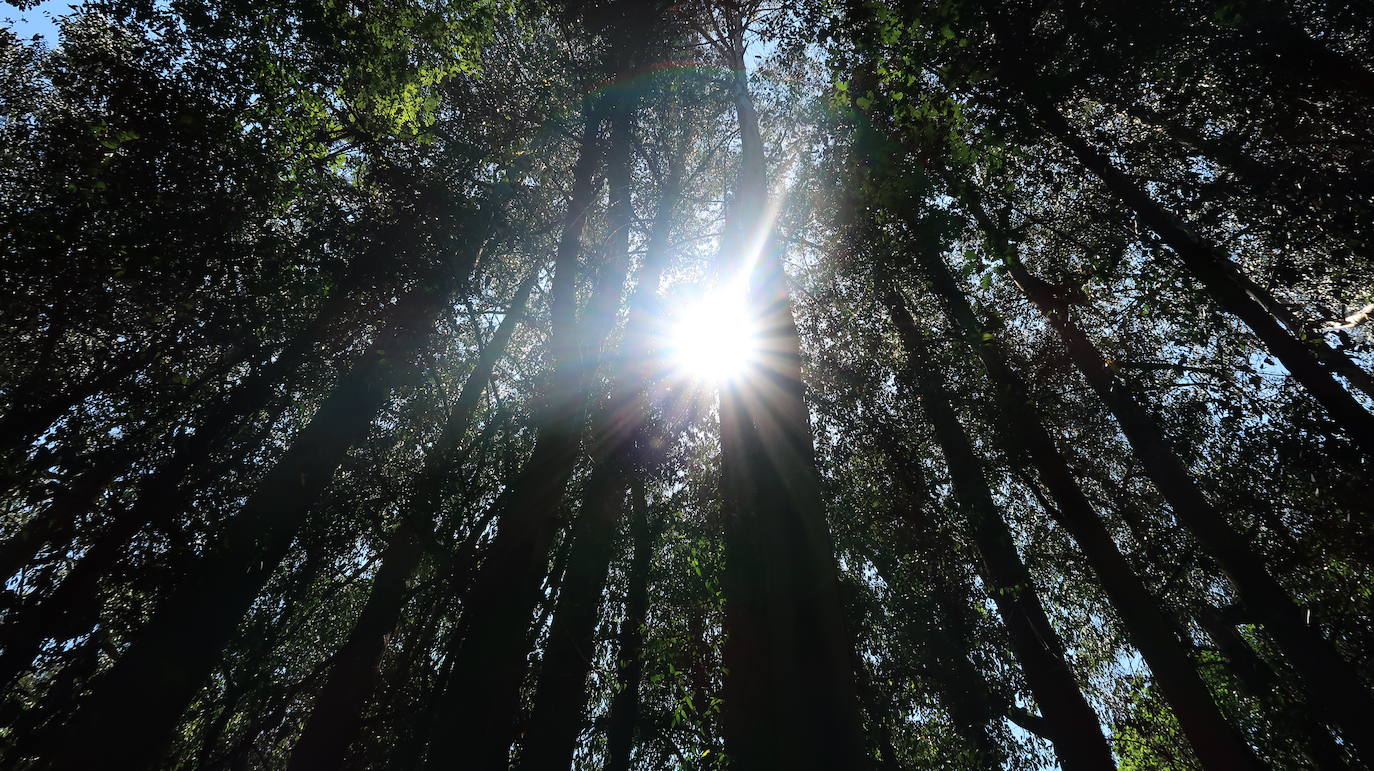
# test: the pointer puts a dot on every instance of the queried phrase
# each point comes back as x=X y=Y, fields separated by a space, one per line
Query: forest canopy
x=711 y=384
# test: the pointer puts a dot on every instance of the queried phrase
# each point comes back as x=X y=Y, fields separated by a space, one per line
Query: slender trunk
x=477 y=710
x=133 y=709
x=159 y=497
x=561 y=696
x=1261 y=682
x=336 y=721
x=790 y=697
x=1345 y=202
x=1077 y=737
x=938 y=624
x=1210 y=264
x=963 y=690
x=624 y=711
x=1154 y=633
x=1335 y=686
x=74 y=606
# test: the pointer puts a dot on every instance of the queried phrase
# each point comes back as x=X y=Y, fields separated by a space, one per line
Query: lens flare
x=714 y=337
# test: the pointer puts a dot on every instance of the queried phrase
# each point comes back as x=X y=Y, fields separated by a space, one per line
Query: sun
x=714 y=337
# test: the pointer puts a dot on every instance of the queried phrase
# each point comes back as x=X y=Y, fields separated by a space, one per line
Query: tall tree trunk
x=159 y=497
x=56 y=522
x=1073 y=726
x=623 y=720
x=939 y=623
x=790 y=696
x=74 y=605
x=1262 y=683
x=1335 y=686
x=477 y=710
x=1218 y=274
x=962 y=689
x=1154 y=633
x=133 y=709
x=1346 y=203
x=336 y=721
x=561 y=696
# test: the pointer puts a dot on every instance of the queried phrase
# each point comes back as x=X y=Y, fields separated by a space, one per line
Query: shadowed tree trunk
x=1072 y=724
x=132 y=710
x=74 y=605
x=30 y=414
x=561 y=696
x=335 y=723
x=962 y=689
x=161 y=494
x=790 y=696
x=1218 y=274
x=1151 y=630
x=477 y=710
x=1262 y=683
x=1335 y=686
x=623 y=721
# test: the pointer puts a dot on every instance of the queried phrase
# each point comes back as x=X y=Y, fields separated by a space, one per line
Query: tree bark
x=1335 y=686
x=1218 y=275
x=623 y=720
x=478 y=707
x=336 y=721
x=1154 y=633
x=1074 y=728
x=158 y=498
x=1262 y=683
x=790 y=696
x=133 y=709
x=561 y=696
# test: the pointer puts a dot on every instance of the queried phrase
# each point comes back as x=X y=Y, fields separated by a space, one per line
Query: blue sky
x=38 y=21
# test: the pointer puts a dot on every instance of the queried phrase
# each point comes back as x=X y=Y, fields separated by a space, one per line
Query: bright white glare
x=714 y=337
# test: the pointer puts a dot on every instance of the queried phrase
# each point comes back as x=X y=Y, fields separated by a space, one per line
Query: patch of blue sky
x=39 y=21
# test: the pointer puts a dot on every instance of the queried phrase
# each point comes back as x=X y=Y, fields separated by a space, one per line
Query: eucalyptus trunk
x=133 y=709
x=336 y=721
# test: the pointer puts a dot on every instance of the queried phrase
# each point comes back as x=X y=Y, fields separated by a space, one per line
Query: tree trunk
x=790 y=697
x=55 y=524
x=1296 y=55
x=1335 y=686
x=561 y=696
x=1261 y=682
x=624 y=711
x=1154 y=633
x=1218 y=274
x=133 y=709
x=478 y=707
x=1074 y=729
x=159 y=497
x=336 y=721
x=32 y=414
x=74 y=605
